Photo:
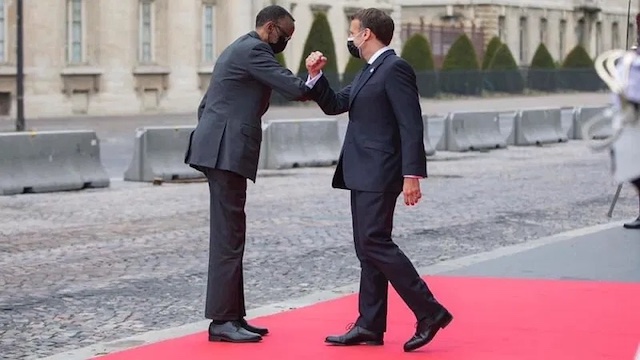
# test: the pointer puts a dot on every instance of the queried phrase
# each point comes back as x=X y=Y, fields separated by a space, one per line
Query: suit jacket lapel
x=365 y=76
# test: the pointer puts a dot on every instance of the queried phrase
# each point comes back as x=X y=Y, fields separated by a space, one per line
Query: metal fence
x=477 y=82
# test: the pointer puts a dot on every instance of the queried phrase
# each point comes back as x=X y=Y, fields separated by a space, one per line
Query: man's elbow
x=332 y=111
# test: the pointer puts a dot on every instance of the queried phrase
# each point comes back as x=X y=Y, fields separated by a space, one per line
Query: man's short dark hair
x=379 y=22
x=272 y=13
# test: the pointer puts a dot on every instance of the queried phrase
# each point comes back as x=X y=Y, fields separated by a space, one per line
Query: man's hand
x=315 y=62
x=411 y=191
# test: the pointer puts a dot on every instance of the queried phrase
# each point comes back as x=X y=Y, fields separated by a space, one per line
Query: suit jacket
x=384 y=139
x=229 y=131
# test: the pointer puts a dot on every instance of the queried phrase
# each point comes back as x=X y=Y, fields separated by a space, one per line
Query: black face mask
x=353 y=49
x=279 y=46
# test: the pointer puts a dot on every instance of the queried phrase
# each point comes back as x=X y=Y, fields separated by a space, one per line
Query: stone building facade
x=598 y=25
x=114 y=57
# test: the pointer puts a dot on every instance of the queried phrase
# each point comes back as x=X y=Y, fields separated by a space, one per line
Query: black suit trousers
x=225 y=289
x=382 y=261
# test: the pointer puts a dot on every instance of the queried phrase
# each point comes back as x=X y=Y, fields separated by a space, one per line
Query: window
x=146 y=53
x=563 y=35
x=523 y=40
x=598 y=38
x=501 y=29
x=208 y=33
x=75 y=31
x=3 y=31
x=580 y=32
x=543 y=31
x=615 y=36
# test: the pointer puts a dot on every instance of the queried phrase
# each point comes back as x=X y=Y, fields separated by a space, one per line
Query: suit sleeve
x=402 y=93
x=265 y=68
x=330 y=102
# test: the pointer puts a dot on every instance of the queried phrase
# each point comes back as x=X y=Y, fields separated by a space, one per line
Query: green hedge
x=492 y=47
x=503 y=74
x=579 y=73
x=460 y=69
x=540 y=76
x=320 y=38
x=417 y=52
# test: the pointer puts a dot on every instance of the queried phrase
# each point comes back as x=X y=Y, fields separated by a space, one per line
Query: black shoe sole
x=369 y=343
x=215 y=338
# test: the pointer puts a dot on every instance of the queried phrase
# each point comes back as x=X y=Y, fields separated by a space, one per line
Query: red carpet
x=493 y=319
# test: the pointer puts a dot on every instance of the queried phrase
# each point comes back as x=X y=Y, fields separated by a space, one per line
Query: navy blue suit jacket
x=384 y=139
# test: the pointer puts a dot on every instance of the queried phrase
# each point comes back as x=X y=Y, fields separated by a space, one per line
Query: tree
x=492 y=47
x=460 y=69
x=578 y=58
x=417 y=52
x=542 y=71
x=321 y=39
x=503 y=72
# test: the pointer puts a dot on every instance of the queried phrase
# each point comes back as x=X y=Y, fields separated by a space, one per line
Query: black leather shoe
x=427 y=330
x=253 y=329
x=232 y=331
x=356 y=336
x=633 y=225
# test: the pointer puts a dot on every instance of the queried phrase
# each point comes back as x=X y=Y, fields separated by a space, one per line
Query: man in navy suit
x=383 y=155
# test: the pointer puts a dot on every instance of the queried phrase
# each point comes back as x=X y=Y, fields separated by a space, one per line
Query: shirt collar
x=377 y=54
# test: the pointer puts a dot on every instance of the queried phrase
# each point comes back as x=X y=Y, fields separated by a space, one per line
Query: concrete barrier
x=537 y=127
x=158 y=152
x=301 y=143
x=428 y=148
x=580 y=116
x=471 y=131
x=50 y=161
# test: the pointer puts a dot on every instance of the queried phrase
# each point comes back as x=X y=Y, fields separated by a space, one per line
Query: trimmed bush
x=417 y=52
x=542 y=71
x=578 y=72
x=460 y=69
x=354 y=65
x=578 y=58
x=503 y=74
x=493 y=46
x=321 y=39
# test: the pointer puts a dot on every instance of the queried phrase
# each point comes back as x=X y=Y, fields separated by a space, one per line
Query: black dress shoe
x=253 y=329
x=232 y=331
x=356 y=336
x=427 y=330
x=633 y=225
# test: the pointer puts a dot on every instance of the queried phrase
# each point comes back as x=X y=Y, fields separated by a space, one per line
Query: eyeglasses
x=280 y=31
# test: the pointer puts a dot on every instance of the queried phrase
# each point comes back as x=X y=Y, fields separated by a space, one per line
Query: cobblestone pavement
x=78 y=268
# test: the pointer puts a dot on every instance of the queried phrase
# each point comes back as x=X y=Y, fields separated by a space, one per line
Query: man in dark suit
x=225 y=146
x=383 y=155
